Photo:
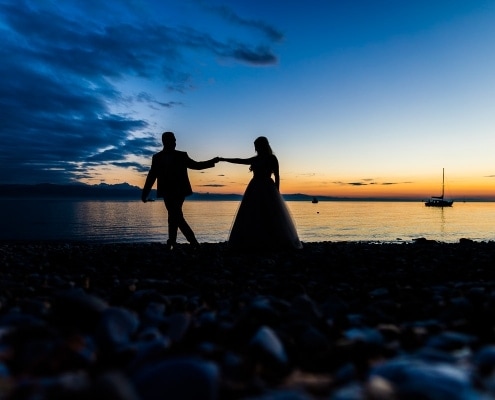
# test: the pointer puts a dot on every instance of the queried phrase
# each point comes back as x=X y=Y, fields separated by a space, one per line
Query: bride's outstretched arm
x=245 y=161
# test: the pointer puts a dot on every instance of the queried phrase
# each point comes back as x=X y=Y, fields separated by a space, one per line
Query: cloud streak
x=215 y=185
x=63 y=106
x=368 y=182
x=229 y=15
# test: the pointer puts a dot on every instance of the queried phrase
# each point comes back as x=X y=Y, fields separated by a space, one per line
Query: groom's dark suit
x=169 y=169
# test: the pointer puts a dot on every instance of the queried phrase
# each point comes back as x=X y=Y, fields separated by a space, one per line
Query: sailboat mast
x=443 y=181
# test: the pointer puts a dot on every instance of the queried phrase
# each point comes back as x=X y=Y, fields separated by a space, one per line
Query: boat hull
x=439 y=203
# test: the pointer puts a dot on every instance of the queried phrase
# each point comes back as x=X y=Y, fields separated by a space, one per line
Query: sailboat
x=439 y=201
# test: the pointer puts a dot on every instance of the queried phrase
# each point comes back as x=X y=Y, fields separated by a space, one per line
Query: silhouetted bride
x=263 y=220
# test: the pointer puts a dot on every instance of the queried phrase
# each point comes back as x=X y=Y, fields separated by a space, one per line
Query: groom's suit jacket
x=169 y=168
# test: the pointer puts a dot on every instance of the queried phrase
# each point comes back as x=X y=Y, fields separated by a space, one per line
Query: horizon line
x=307 y=197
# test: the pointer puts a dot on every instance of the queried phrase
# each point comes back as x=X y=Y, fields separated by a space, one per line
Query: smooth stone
x=484 y=360
x=149 y=334
x=450 y=341
x=62 y=386
x=259 y=312
x=346 y=374
x=178 y=324
x=267 y=348
x=140 y=299
x=148 y=353
x=18 y=320
x=379 y=292
x=432 y=355
x=116 y=327
x=234 y=366
x=306 y=308
x=282 y=394
x=177 y=302
x=4 y=371
x=154 y=313
x=379 y=388
x=366 y=335
x=85 y=349
x=178 y=379
x=416 y=379
x=35 y=307
x=353 y=391
x=114 y=386
x=76 y=307
x=313 y=341
x=207 y=319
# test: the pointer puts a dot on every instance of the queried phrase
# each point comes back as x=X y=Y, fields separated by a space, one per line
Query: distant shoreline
x=122 y=192
x=220 y=197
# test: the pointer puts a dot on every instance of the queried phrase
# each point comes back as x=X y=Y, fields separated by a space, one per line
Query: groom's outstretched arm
x=191 y=164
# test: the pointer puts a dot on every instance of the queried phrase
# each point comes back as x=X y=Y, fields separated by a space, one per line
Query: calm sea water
x=134 y=221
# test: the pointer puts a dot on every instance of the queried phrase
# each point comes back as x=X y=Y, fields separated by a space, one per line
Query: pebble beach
x=335 y=320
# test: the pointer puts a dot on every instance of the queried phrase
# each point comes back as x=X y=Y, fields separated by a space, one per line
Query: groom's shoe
x=170 y=245
x=195 y=245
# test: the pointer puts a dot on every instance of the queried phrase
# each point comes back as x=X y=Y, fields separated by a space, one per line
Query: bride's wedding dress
x=263 y=220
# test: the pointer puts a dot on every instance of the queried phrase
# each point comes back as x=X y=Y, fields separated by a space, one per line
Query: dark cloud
x=140 y=146
x=229 y=15
x=369 y=182
x=212 y=185
x=260 y=55
x=133 y=165
x=358 y=183
x=62 y=109
x=230 y=49
x=144 y=97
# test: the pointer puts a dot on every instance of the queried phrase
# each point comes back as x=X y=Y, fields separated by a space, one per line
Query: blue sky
x=356 y=97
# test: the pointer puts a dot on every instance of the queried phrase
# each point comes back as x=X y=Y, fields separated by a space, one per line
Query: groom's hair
x=168 y=139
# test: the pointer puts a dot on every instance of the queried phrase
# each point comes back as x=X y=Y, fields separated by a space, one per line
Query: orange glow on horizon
x=412 y=191
x=234 y=180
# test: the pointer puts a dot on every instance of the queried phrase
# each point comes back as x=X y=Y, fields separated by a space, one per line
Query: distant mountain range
x=122 y=191
x=79 y=190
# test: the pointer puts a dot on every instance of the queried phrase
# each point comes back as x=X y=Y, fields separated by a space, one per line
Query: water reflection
x=442 y=220
x=133 y=221
x=393 y=221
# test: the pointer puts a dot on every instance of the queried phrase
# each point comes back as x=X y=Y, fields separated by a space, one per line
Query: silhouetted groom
x=169 y=167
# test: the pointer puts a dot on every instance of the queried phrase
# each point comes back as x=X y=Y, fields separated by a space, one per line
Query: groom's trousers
x=176 y=220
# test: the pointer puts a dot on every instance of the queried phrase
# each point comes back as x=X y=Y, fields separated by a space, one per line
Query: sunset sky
x=358 y=98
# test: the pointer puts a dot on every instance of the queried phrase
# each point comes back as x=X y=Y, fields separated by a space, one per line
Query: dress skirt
x=263 y=220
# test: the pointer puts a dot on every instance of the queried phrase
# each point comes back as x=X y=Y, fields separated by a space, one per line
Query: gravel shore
x=335 y=320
